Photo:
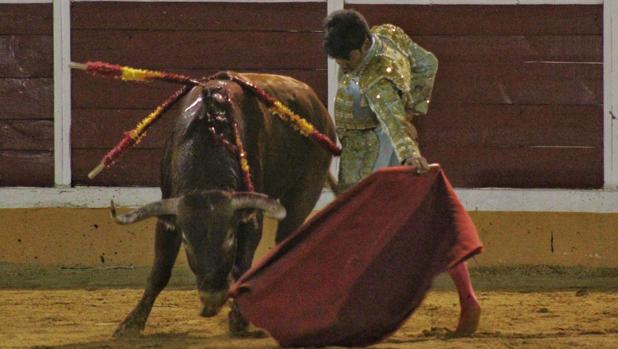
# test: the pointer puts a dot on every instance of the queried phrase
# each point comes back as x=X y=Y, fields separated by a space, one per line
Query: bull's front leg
x=248 y=235
x=167 y=244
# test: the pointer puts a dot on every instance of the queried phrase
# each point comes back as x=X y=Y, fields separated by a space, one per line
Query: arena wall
x=518 y=100
x=26 y=95
x=519 y=103
x=87 y=237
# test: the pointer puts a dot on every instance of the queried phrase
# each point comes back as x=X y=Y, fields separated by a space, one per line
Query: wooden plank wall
x=517 y=103
x=26 y=95
x=519 y=92
x=197 y=39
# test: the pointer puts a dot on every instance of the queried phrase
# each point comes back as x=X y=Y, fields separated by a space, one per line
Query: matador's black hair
x=344 y=31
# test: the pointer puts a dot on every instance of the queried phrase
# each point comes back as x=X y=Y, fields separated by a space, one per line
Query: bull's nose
x=210 y=311
x=212 y=302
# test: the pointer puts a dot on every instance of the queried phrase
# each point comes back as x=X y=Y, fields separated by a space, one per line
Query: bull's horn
x=271 y=207
x=158 y=208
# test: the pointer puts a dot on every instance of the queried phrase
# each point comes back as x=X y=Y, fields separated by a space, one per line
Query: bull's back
x=288 y=156
x=297 y=95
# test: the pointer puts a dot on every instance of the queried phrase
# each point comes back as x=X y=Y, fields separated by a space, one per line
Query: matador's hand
x=417 y=161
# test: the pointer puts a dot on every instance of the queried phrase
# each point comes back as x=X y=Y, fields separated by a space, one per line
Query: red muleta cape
x=357 y=270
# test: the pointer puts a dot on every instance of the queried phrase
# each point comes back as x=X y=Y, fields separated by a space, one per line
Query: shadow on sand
x=171 y=341
x=185 y=340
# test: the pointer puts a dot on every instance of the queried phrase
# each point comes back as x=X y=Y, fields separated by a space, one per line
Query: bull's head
x=207 y=221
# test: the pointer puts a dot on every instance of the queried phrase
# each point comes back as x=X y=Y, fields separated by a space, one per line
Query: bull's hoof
x=249 y=334
x=237 y=324
x=128 y=329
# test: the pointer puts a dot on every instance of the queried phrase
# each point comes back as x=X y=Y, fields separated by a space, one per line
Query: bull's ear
x=272 y=208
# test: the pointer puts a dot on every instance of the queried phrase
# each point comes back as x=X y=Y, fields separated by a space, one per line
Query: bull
x=205 y=206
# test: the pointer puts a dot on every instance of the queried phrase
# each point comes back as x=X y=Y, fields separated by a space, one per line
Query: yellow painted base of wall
x=88 y=237
x=552 y=238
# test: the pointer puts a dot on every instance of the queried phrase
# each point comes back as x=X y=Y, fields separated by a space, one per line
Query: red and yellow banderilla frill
x=135 y=135
x=125 y=73
x=143 y=75
x=286 y=114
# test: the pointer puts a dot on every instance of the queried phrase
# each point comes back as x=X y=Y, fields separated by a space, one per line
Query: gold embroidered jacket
x=396 y=76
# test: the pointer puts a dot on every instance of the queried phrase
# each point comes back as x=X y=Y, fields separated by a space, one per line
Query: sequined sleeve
x=424 y=68
x=384 y=100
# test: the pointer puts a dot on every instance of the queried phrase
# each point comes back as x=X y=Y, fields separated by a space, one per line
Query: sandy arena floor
x=87 y=318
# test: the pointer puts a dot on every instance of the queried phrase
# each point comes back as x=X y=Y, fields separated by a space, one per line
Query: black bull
x=200 y=174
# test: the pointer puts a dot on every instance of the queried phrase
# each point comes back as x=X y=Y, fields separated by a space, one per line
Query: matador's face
x=353 y=61
x=355 y=58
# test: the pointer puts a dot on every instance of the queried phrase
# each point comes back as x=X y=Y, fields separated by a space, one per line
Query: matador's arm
x=424 y=69
x=383 y=98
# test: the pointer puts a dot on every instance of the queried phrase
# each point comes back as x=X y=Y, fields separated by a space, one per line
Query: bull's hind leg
x=167 y=244
x=248 y=235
